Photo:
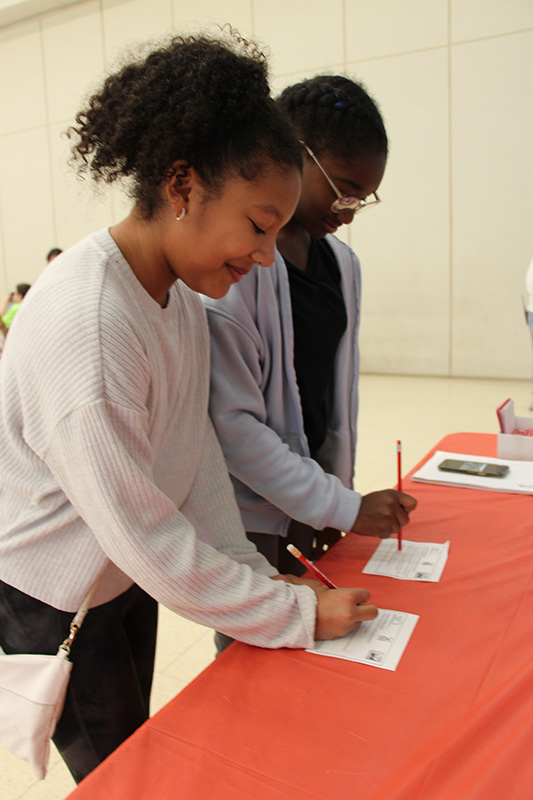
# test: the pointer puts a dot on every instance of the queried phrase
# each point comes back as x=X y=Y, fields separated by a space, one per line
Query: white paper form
x=416 y=561
x=379 y=642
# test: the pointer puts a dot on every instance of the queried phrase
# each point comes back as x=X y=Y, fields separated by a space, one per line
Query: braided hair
x=334 y=114
x=204 y=100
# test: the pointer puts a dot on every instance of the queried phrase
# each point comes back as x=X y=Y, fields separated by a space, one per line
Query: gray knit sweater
x=108 y=460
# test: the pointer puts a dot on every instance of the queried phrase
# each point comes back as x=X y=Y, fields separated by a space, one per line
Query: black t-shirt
x=319 y=319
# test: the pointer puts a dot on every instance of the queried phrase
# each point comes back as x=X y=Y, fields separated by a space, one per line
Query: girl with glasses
x=109 y=465
x=284 y=362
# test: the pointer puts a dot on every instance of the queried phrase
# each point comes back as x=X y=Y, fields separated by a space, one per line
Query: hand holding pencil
x=339 y=611
x=383 y=513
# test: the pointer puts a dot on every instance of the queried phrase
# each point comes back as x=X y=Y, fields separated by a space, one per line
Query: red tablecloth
x=453 y=722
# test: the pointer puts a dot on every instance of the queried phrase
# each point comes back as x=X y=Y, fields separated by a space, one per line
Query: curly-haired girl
x=109 y=465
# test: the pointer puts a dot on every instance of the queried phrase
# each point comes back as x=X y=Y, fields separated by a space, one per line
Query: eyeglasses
x=343 y=202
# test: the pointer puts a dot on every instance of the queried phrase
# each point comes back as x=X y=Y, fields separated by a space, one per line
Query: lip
x=236 y=273
x=329 y=227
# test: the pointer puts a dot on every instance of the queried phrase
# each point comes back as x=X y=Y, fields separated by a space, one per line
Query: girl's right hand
x=384 y=512
x=340 y=611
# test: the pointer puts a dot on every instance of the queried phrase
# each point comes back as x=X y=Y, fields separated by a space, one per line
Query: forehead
x=271 y=191
x=362 y=173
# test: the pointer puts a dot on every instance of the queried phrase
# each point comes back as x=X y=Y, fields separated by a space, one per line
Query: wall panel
x=444 y=257
x=492 y=132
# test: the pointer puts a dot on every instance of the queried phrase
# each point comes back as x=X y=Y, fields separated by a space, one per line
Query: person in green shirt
x=11 y=303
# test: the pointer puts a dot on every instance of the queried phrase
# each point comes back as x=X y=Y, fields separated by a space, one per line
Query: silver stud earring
x=182 y=213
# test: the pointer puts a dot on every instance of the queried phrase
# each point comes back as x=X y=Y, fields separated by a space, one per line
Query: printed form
x=379 y=642
x=416 y=561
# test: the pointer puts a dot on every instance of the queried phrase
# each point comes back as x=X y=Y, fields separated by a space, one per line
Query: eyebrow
x=270 y=207
x=351 y=183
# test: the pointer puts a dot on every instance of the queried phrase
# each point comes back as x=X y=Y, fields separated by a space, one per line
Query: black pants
x=113 y=660
x=310 y=542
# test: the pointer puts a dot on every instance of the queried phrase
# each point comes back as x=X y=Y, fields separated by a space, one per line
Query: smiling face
x=222 y=236
x=359 y=177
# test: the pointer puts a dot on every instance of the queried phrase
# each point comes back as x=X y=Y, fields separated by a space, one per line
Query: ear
x=180 y=179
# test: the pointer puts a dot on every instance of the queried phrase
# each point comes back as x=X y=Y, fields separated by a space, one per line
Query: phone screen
x=483 y=469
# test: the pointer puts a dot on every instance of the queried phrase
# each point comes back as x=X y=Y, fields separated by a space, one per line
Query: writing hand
x=340 y=611
x=382 y=513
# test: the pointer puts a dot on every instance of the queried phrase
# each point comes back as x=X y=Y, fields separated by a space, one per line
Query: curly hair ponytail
x=335 y=114
x=206 y=101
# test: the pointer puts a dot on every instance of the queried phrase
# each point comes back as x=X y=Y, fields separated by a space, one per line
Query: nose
x=264 y=255
x=345 y=217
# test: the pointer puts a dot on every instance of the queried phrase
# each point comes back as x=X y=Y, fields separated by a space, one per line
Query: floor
x=417 y=410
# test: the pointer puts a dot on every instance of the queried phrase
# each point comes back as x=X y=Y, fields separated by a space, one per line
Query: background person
x=11 y=304
x=53 y=253
x=285 y=359
x=109 y=464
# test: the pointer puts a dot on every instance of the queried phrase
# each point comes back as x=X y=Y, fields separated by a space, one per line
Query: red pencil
x=310 y=566
x=399 y=449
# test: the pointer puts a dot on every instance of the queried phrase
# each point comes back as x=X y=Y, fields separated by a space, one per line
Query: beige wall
x=444 y=257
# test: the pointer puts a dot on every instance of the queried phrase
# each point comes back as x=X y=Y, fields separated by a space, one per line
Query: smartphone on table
x=483 y=469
